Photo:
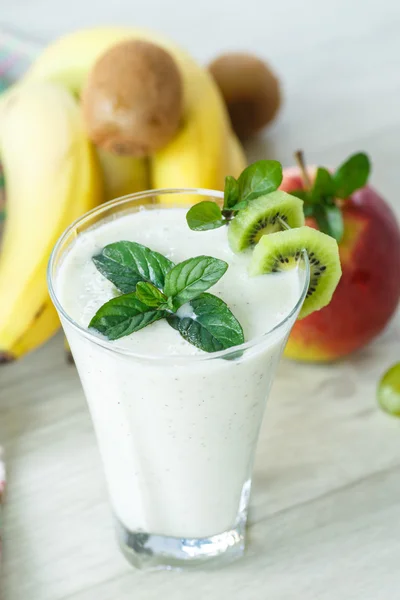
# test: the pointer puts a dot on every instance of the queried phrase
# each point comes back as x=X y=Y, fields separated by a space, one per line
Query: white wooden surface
x=325 y=516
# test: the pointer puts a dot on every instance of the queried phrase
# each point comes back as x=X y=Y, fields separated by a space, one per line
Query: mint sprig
x=150 y=295
x=324 y=186
x=161 y=288
x=351 y=175
x=211 y=324
x=190 y=278
x=231 y=192
x=126 y=263
x=205 y=215
x=321 y=197
x=122 y=316
x=329 y=219
x=258 y=179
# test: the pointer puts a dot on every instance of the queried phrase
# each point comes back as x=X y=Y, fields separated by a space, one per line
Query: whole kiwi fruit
x=133 y=99
x=250 y=89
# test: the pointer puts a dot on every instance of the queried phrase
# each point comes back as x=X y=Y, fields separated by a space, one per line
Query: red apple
x=369 y=290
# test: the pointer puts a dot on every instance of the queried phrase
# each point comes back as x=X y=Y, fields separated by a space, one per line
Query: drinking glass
x=177 y=434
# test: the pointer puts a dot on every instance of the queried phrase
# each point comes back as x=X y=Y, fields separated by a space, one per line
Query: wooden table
x=325 y=511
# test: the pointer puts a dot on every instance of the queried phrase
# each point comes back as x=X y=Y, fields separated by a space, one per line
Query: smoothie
x=176 y=427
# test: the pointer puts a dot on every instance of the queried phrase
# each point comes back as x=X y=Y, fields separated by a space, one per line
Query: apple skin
x=369 y=291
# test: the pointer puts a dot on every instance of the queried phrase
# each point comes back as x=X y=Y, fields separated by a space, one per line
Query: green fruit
x=282 y=250
x=389 y=391
x=263 y=216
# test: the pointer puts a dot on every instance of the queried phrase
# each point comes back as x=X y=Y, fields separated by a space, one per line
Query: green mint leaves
x=122 y=316
x=211 y=325
x=127 y=263
x=191 y=277
x=154 y=288
x=231 y=192
x=258 y=179
x=324 y=185
x=351 y=175
x=320 y=197
x=329 y=219
x=150 y=295
x=205 y=215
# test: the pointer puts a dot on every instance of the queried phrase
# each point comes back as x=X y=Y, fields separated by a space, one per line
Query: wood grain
x=325 y=511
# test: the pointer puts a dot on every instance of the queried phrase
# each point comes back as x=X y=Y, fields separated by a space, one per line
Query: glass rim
x=102 y=208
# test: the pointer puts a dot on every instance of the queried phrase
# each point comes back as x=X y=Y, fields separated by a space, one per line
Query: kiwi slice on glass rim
x=282 y=250
x=264 y=215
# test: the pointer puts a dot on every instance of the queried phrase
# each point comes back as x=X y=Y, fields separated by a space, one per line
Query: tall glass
x=177 y=434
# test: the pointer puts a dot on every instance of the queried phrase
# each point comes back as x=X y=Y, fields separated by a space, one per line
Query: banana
x=68 y=59
x=44 y=325
x=52 y=177
x=237 y=157
x=122 y=174
x=198 y=156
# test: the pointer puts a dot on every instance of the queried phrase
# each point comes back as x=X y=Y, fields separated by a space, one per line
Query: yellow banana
x=68 y=60
x=122 y=174
x=198 y=156
x=237 y=157
x=52 y=177
x=44 y=325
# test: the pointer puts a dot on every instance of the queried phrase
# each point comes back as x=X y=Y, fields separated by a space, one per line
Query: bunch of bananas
x=54 y=174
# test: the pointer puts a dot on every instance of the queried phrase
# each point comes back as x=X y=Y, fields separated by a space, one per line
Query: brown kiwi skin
x=132 y=102
x=250 y=89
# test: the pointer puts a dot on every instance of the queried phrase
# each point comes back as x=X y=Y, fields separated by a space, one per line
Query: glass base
x=149 y=551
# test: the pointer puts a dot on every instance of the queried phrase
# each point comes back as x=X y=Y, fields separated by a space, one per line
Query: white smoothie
x=177 y=428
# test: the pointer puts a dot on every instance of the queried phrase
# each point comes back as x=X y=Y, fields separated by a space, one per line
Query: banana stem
x=5 y=358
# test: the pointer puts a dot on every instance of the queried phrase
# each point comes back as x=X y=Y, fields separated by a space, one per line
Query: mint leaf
x=150 y=295
x=231 y=192
x=122 y=316
x=304 y=195
x=204 y=215
x=260 y=178
x=127 y=263
x=324 y=185
x=351 y=175
x=190 y=278
x=308 y=210
x=238 y=206
x=329 y=219
x=212 y=327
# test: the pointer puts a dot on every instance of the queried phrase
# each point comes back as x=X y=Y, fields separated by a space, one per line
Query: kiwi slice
x=262 y=216
x=282 y=250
